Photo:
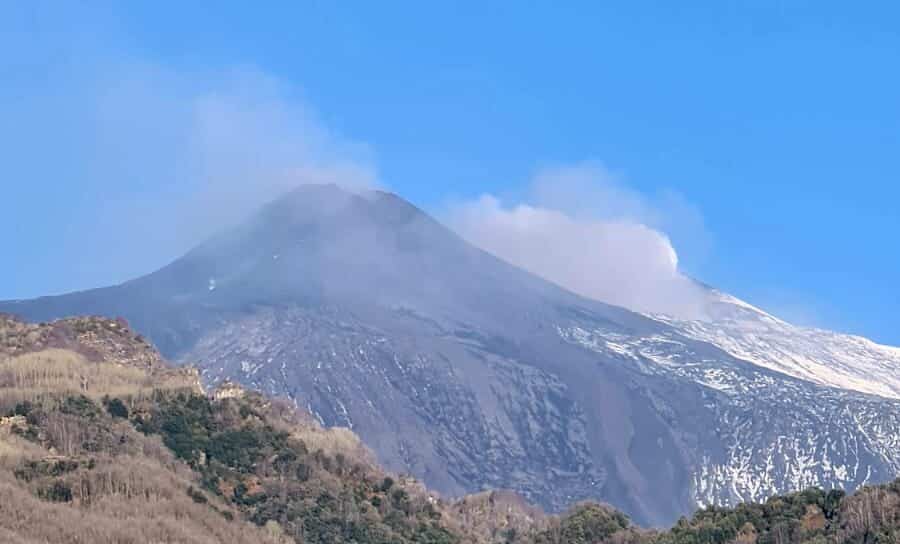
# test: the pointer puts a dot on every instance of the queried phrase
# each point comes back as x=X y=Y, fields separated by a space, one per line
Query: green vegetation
x=243 y=455
x=115 y=407
x=869 y=516
x=586 y=523
x=129 y=452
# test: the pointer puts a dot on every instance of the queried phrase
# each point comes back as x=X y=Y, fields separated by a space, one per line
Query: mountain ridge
x=821 y=356
x=470 y=373
x=139 y=453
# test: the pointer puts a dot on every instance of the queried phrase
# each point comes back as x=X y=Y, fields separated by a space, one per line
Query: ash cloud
x=582 y=228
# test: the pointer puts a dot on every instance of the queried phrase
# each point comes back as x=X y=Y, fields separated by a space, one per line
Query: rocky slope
x=139 y=454
x=820 y=356
x=71 y=468
x=472 y=374
x=766 y=432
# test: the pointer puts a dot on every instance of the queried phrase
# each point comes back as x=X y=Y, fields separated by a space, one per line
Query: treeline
x=116 y=452
x=251 y=460
x=869 y=516
x=239 y=460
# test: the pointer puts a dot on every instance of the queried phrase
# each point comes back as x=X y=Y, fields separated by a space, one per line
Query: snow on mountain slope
x=469 y=373
x=820 y=356
x=763 y=432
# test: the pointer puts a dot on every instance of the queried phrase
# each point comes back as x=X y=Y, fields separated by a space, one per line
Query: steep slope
x=767 y=432
x=96 y=446
x=137 y=453
x=820 y=356
x=472 y=374
x=70 y=471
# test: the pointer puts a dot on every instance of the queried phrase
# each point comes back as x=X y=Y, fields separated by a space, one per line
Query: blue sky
x=776 y=124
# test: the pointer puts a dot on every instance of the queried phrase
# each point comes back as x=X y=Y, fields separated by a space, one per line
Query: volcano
x=470 y=373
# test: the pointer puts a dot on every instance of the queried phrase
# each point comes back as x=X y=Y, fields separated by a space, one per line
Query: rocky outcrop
x=97 y=340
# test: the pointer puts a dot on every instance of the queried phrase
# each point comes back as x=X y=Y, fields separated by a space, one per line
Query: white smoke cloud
x=584 y=230
x=217 y=146
x=156 y=159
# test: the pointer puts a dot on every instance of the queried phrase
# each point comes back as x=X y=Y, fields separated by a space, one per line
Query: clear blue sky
x=778 y=121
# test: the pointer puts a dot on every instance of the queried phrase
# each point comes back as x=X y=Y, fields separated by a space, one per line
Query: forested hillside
x=103 y=439
x=102 y=442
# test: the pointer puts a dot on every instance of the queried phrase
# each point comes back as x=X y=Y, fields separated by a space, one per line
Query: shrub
x=59 y=491
x=116 y=408
x=197 y=496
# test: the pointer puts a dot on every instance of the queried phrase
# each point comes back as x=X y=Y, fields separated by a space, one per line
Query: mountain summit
x=470 y=373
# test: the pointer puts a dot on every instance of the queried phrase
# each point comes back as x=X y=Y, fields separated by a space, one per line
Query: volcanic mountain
x=469 y=373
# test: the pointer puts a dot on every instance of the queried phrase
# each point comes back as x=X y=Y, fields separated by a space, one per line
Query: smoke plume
x=584 y=230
